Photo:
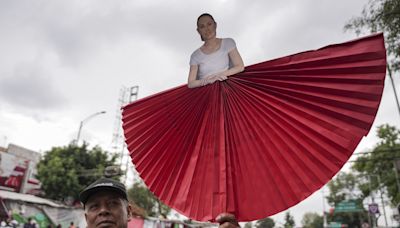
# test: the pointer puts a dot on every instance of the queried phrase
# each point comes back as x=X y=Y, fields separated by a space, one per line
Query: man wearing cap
x=106 y=205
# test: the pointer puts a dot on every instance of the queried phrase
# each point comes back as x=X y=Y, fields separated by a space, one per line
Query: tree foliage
x=289 y=220
x=65 y=171
x=145 y=199
x=343 y=187
x=378 y=166
x=351 y=219
x=381 y=15
x=372 y=172
x=265 y=223
x=312 y=220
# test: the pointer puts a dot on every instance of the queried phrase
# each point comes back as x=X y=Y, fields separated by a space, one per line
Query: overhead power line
x=378 y=151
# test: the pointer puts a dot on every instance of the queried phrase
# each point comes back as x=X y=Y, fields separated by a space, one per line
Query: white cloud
x=29 y=87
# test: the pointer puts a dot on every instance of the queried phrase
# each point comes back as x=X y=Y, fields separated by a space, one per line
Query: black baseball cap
x=101 y=185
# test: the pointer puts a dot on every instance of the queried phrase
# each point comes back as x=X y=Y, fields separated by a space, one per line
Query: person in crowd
x=227 y=220
x=216 y=59
x=12 y=222
x=106 y=204
x=3 y=224
x=30 y=223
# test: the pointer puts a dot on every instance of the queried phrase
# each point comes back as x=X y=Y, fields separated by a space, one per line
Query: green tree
x=312 y=220
x=343 y=187
x=372 y=171
x=381 y=15
x=346 y=187
x=248 y=225
x=145 y=199
x=65 y=171
x=265 y=223
x=378 y=166
x=289 y=220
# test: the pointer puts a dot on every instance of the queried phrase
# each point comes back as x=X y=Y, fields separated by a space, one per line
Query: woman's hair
x=205 y=15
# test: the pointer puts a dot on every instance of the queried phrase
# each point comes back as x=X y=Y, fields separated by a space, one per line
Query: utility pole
x=373 y=217
x=396 y=168
x=381 y=195
x=127 y=95
x=133 y=95
x=323 y=208
x=394 y=87
x=383 y=202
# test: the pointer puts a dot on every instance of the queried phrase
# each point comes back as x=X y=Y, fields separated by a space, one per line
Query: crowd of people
x=10 y=222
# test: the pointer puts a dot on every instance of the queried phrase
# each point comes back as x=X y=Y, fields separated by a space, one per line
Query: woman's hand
x=193 y=82
x=215 y=77
x=219 y=77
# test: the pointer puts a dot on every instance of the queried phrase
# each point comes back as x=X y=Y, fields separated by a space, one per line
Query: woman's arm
x=192 y=81
x=238 y=66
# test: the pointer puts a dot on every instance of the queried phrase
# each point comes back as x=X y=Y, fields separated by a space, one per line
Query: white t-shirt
x=215 y=62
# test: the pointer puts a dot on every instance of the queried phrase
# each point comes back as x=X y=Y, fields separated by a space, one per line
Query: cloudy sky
x=62 y=61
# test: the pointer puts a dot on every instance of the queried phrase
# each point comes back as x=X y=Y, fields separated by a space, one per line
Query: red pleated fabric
x=263 y=140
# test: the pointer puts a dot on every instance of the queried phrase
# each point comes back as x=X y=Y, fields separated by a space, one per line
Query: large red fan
x=263 y=140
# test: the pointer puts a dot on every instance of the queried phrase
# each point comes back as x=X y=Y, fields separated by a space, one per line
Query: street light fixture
x=85 y=120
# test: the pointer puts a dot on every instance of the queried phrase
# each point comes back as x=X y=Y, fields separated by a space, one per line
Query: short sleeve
x=193 y=59
x=229 y=44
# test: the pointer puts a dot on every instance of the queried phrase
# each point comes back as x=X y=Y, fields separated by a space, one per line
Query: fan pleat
x=275 y=120
x=250 y=155
x=307 y=102
x=263 y=140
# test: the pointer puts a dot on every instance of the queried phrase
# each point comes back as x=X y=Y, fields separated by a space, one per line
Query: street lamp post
x=85 y=120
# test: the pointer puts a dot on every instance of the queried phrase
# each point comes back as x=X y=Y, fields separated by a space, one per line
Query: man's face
x=107 y=209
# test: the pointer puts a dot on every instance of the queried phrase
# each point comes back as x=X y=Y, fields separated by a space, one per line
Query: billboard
x=18 y=170
x=12 y=171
